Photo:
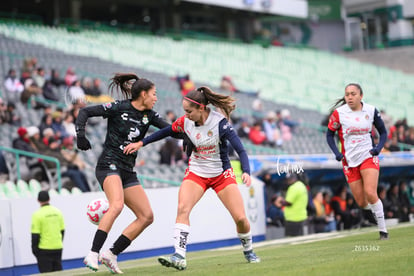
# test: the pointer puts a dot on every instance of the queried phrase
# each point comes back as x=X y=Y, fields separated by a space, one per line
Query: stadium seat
x=34 y=186
x=64 y=191
x=76 y=191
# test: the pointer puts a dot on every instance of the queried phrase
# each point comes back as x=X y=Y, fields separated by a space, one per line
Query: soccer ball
x=96 y=209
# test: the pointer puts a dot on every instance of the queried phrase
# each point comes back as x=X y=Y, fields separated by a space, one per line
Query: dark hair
x=205 y=96
x=341 y=101
x=129 y=88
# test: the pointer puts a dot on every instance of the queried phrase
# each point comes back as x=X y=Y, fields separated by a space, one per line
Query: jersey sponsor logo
x=124 y=116
x=198 y=136
x=357 y=130
x=135 y=121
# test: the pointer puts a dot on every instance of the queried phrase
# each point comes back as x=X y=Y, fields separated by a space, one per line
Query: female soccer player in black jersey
x=128 y=122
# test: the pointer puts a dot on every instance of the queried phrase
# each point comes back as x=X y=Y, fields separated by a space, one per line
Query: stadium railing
x=56 y=180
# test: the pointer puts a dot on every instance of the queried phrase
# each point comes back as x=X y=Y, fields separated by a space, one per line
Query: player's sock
x=246 y=240
x=120 y=244
x=378 y=210
x=99 y=240
x=181 y=232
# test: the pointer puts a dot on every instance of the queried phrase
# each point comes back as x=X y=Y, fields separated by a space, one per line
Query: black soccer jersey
x=125 y=125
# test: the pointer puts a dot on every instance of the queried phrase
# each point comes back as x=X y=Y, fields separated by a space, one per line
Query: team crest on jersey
x=335 y=125
x=366 y=117
x=145 y=119
x=210 y=133
x=112 y=167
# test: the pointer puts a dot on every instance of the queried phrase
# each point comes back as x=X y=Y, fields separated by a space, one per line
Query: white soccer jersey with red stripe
x=354 y=129
x=210 y=156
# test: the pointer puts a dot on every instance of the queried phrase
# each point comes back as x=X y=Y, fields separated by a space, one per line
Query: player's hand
x=83 y=143
x=374 y=151
x=133 y=147
x=246 y=179
x=339 y=157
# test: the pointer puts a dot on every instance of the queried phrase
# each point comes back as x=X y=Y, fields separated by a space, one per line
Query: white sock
x=378 y=210
x=181 y=232
x=246 y=240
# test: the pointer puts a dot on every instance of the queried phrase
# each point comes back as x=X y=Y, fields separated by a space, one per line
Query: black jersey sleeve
x=85 y=113
x=227 y=132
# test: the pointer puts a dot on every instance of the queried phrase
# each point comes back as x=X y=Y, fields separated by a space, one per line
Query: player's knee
x=116 y=207
x=148 y=218
x=242 y=221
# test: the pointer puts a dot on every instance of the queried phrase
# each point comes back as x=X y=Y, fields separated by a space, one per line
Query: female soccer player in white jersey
x=353 y=120
x=209 y=167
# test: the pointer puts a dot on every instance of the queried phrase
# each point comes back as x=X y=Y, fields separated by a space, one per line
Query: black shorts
x=128 y=178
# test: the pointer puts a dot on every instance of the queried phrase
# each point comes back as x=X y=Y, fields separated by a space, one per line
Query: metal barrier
x=17 y=154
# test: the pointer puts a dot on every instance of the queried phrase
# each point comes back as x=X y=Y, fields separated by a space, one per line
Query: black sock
x=99 y=240
x=120 y=244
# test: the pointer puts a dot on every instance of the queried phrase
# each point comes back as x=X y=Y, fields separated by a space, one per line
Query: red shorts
x=217 y=183
x=354 y=174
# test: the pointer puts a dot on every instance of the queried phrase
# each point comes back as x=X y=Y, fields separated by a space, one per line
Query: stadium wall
x=211 y=226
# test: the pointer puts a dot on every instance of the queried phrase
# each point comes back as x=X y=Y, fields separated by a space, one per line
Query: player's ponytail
x=204 y=96
x=122 y=82
x=130 y=89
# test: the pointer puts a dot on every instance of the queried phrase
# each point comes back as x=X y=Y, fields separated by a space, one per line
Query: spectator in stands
x=256 y=135
x=405 y=201
x=210 y=132
x=39 y=77
x=185 y=83
x=93 y=92
x=12 y=84
x=227 y=84
x=354 y=211
x=410 y=136
x=274 y=213
x=128 y=122
x=359 y=156
x=55 y=78
x=271 y=130
x=4 y=118
x=22 y=142
x=258 y=110
x=68 y=124
x=331 y=221
x=30 y=89
x=393 y=144
x=382 y=194
x=29 y=66
x=47 y=229
x=70 y=77
x=339 y=207
x=13 y=118
x=244 y=128
x=320 y=219
x=46 y=122
x=48 y=91
x=57 y=125
x=76 y=92
x=295 y=202
x=394 y=200
x=4 y=171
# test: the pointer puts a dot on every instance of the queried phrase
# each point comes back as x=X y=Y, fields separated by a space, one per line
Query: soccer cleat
x=383 y=235
x=175 y=260
x=109 y=260
x=251 y=256
x=370 y=216
x=91 y=261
